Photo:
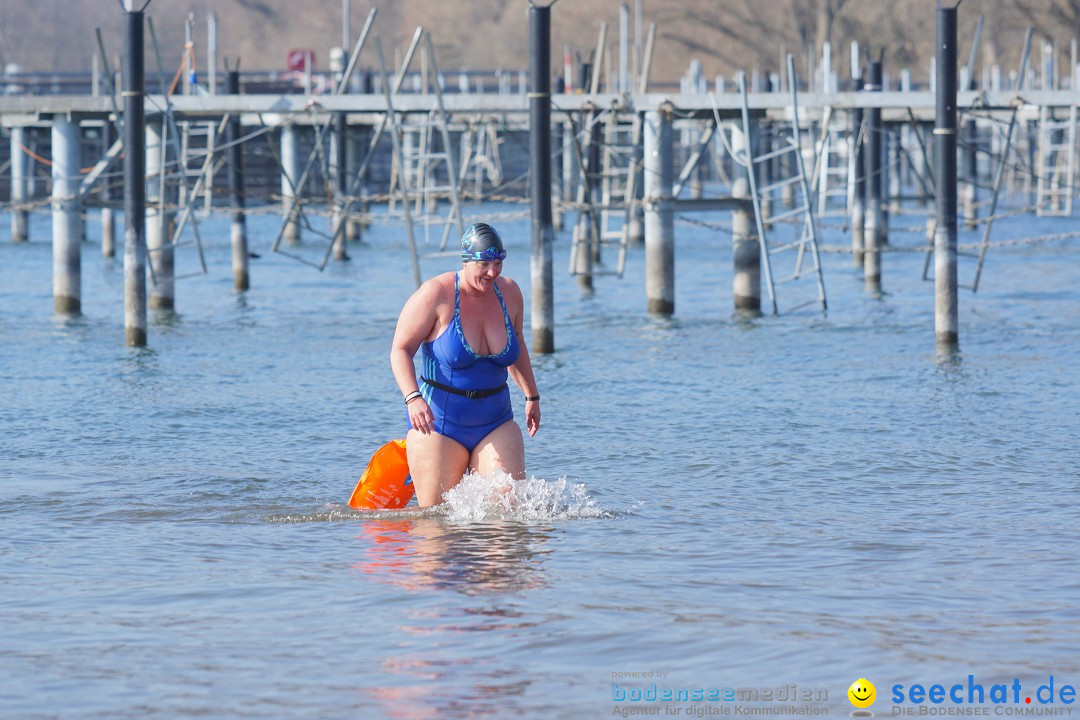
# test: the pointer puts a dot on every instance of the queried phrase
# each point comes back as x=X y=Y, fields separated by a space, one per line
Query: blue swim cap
x=481 y=243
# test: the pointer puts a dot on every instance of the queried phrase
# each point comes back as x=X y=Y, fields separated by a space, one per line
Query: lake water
x=770 y=502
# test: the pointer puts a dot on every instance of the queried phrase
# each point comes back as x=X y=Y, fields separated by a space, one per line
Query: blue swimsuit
x=449 y=361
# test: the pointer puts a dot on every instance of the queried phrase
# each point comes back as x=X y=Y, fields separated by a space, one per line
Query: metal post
x=624 y=48
x=341 y=189
x=765 y=170
x=970 y=172
x=557 y=157
x=858 y=180
x=568 y=160
x=636 y=231
x=659 y=217
x=290 y=173
x=66 y=222
x=543 y=313
x=745 y=249
x=211 y=52
x=353 y=160
x=872 y=171
x=595 y=172
x=108 y=223
x=134 y=182
x=159 y=217
x=238 y=233
x=946 y=311
x=346 y=24
x=20 y=174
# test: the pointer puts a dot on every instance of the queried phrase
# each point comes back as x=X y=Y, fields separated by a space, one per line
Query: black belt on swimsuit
x=471 y=394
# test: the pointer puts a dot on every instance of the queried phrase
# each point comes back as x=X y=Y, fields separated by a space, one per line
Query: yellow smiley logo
x=862 y=693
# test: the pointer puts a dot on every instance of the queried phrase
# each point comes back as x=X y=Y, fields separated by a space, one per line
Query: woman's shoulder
x=507 y=286
x=438 y=286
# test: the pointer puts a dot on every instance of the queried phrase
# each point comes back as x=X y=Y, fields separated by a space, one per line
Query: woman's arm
x=415 y=324
x=521 y=371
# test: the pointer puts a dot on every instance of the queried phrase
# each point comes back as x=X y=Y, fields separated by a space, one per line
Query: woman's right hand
x=420 y=416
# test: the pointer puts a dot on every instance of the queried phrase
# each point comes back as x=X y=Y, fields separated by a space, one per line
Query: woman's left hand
x=532 y=416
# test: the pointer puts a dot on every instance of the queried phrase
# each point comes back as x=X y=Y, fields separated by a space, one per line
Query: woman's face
x=482 y=273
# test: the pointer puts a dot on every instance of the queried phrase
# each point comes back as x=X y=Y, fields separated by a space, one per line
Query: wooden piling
x=659 y=214
x=290 y=174
x=542 y=317
x=238 y=226
x=134 y=181
x=159 y=218
x=66 y=212
x=745 y=247
x=946 y=307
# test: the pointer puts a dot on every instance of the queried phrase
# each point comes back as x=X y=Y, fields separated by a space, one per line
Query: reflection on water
x=426 y=553
x=491 y=563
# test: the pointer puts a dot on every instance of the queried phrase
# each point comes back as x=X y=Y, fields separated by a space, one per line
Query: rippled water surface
x=804 y=499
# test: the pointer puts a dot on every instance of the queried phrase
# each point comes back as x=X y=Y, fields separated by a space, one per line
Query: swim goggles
x=490 y=254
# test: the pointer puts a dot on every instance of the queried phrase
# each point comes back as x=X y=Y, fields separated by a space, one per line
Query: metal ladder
x=1057 y=163
x=425 y=174
x=592 y=232
x=807 y=257
x=480 y=156
x=836 y=158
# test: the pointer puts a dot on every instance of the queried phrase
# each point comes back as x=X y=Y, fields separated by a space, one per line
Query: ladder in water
x=1057 y=163
x=836 y=171
x=807 y=259
x=618 y=175
x=480 y=156
x=425 y=168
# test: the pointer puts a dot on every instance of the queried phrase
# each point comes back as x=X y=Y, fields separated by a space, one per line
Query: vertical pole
x=858 y=177
x=745 y=249
x=238 y=229
x=970 y=173
x=66 y=222
x=352 y=165
x=872 y=171
x=134 y=181
x=346 y=24
x=557 y=158
x=159 y=217
x=211 y=52
x=108 y=224
x=20 y=173
x=946 y=309
x=595 y=174
x=659 y=218
x=637 y=211
x=765 y=170
x=568 y=159
x=896 y=170
x=341 y=129
x=290 y=174
x=639 y=41
x=543 y=314
x=624 y=48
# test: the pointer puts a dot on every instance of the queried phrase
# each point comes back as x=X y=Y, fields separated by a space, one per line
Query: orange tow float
x=385 y=484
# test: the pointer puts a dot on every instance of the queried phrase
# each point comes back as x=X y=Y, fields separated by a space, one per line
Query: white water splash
x=498 y=496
